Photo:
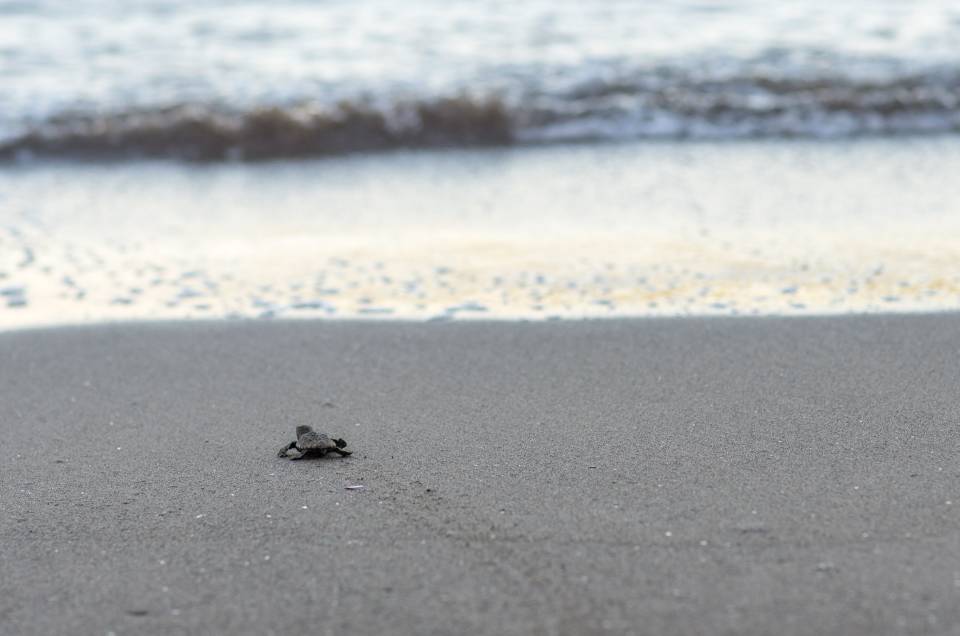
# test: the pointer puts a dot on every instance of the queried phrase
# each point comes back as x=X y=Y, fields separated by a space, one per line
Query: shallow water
x=571 y=231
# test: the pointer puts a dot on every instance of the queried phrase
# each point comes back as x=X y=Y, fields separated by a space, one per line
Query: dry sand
x=696 y=476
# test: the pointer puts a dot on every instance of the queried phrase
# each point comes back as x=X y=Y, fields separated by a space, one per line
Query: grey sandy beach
x=684 y=476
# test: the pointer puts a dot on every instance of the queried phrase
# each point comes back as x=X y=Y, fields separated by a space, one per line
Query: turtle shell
x=311 y=440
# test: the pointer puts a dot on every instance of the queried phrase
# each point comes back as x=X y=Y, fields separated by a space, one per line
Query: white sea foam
x=587 y=231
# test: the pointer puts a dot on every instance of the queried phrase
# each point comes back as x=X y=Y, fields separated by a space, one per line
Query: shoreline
x=790 y=475
x=466 y=317
x=643 y=230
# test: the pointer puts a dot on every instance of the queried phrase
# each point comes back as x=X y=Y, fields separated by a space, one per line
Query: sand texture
x=691 y=476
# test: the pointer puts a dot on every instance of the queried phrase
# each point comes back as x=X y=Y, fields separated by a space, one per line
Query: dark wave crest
x=648 y=105
x=202 y=133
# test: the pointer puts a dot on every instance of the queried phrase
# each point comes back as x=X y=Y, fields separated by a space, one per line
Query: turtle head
x=303 y=429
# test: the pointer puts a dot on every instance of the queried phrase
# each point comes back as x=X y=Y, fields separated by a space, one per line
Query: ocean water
x=247 y=79
x=483 y=159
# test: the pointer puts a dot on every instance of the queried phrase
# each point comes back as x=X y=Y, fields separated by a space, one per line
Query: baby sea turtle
x=310 y=443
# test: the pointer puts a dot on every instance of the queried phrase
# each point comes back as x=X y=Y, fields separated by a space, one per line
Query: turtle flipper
x=339 y=446
x=284 y=452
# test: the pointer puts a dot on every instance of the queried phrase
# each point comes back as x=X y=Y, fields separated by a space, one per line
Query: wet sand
x=683 y=476
x=646 y=229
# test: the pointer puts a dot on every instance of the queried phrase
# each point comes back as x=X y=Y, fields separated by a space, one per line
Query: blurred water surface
x=242 y=78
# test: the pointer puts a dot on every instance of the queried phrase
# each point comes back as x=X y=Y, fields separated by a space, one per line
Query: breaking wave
x=660 y=104
x=205 y=133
